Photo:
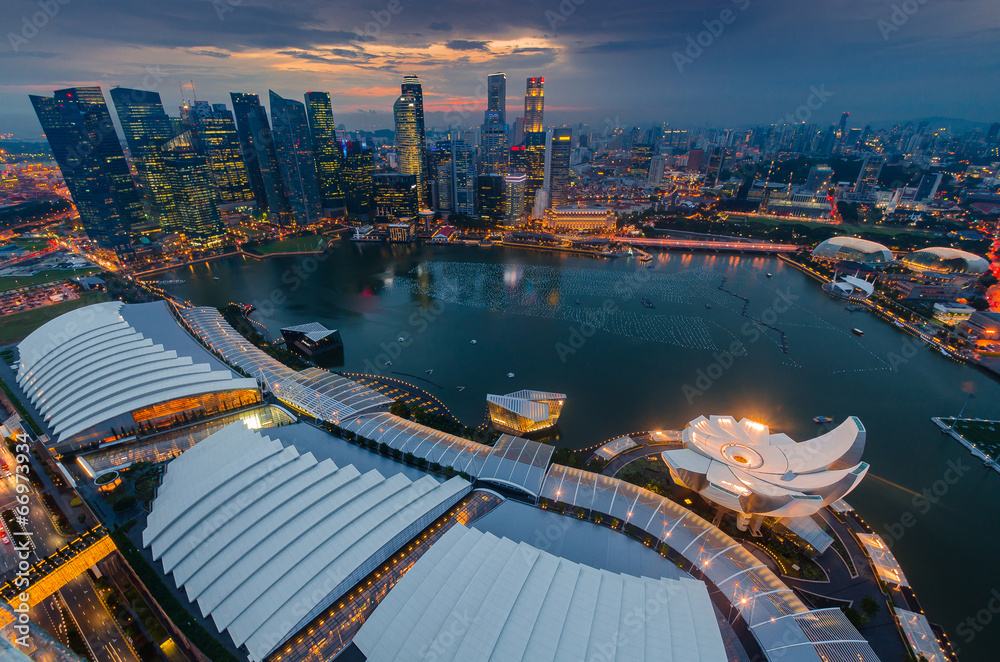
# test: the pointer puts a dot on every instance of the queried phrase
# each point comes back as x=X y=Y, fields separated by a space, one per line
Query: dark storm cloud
x=463 y=45
x=757 y=62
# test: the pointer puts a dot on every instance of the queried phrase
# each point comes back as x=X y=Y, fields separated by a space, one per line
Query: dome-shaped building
x=853 y=249
x=943 y=260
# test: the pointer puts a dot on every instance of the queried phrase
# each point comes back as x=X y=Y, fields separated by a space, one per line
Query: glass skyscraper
x=411 y=145
x=296 y=162
x=562 y=147
x=494 y=138
x=329 y=162
x=244 y=106
x=464 y=177
x=219 y=142
x=147 y=128
x=196 y=199
x=359 y=166
x=534 y=105
x=85 y=146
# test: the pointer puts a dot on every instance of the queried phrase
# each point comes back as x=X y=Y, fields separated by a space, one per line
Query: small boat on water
x=510 y=374
x=472 y=342
x=708 y=305
x=822 y=419
x=429 y=372
x=646 y=302
x=578 y=302
x=400 y=339
x=461 y=388
x=216 y=278
x=388 y=362
x=857 y=332
x=770 y=275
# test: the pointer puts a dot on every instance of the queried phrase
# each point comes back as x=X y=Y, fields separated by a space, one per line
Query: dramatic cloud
x=735 y=62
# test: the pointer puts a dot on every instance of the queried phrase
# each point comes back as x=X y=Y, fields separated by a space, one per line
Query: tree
x=870 y=606
x=400 y=408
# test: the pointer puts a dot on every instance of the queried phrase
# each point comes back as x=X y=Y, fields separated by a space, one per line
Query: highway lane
x=106 y=641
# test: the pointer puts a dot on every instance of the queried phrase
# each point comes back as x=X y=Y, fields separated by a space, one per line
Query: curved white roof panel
x=947 y=260
x=95 y=363
x=475 y=597
x=264 y=539
x=741 y=466
x=327 y=395
x=853 y=249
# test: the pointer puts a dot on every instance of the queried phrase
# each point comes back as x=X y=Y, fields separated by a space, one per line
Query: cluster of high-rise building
x=292 y=168
x=195 y=168
x=503 y=175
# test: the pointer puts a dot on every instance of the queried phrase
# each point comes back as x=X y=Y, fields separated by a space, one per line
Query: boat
x=822 y=419
x=857 y=332
x=461 y=388
x=510 y=374
x=216 y=278
x=401 y=339
x=578 y=302
x=472 y=342
x=431 y=371
x=708 y=305
x=388 y=362
x=646 y=302
x=770 y=275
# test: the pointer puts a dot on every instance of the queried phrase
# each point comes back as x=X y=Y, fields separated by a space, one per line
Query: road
x=104 y=638
x=728 y=246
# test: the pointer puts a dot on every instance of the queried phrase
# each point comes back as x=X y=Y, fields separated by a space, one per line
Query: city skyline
x=869 y=61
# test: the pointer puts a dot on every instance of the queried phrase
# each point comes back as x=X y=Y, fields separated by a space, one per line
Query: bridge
x=748 y=246
x=50 y=574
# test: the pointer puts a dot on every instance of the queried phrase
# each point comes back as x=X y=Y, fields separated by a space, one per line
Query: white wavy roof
x=742 y=466
x=937 y=258
x=264 y=538
x=99 y=361
x=475 y=597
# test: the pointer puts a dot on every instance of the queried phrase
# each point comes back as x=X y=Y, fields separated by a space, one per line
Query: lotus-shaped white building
x=741 y=466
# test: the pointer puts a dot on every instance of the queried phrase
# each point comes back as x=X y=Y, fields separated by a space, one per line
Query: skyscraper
x=411 y=85
x=394 y=197
x=196 y=198
x=328 y=155
x=294 y=150
x=868 y=177
x=562 y=147
x=147 y=128
x=514 y=209
x=359 y=166
x=410 y=142
x=85 y=146
x=494 y=136
x=218 y=141
x=245 y=105
x=464 y=177
x=534 y=157
x=642 y=154
x=490 y=205
x=534 y=105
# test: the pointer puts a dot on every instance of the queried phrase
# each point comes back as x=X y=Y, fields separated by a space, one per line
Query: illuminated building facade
x=514 y=210
x=328 y=156
x=579 y=219
x=395 y=196
x=411 y=86
x=245 y=105
x=534 y=105
x=534 y=160
x=742 y=467
x=411 y=151
x=219 y=142
x=524 y=412
x=490 y=198
x=146 y=128
x=79 y=131
x=296 y=161
x=562 y=147
x=494 y=136
x=195 y=198
x=464 y=177
x=359 y=166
